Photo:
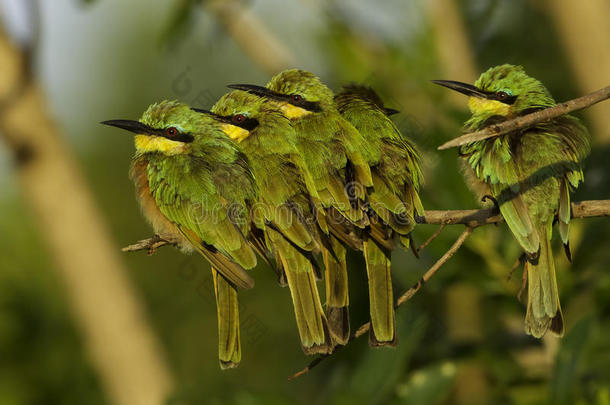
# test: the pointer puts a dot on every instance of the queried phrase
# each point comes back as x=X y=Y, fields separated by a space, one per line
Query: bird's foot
x=150 y=245
x=492 y=199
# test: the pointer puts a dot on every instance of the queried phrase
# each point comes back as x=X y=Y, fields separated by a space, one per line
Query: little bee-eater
x=332 y=151
x=393 y=201
x=195 y=185
x=339 y=158
x=285 y=209
x=529 y=173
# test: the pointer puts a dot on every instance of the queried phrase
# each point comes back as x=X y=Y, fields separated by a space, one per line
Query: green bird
x=194 y=185
x=393 y=200
x=286 y=211
x=529 y=173
x=338 y=156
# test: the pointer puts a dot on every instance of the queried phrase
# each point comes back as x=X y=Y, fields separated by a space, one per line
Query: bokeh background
x=83 y=323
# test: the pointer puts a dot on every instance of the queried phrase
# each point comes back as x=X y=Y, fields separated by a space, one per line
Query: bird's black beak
x=390 y=111
x=202 y=111
x=463 y=88
x=213 y=115
x=258 y=90
x=129 y=125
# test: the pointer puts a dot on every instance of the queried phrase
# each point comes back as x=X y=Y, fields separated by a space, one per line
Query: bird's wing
x=210 y=222
x=501 y=170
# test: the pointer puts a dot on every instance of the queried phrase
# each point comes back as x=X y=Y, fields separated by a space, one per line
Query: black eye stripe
x=303 y=103
x=248 y=123
x=179 y=137
x=505 y=98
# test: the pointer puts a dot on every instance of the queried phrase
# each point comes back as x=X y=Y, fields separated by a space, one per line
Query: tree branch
x=475 y=218
x=528 y=120
x=151 y=244
x=472 y=219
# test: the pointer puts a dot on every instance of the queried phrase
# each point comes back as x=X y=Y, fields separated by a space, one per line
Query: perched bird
x=195 y=185
x=529 y=173
x=393 y=201
x=286 y=211
x=338 y=157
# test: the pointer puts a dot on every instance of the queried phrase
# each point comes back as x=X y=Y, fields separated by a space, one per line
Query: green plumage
x=335 y=154
x=194 y=184
x=393 y=200
x=529 y=173
x=285 y=209
x=361 y=166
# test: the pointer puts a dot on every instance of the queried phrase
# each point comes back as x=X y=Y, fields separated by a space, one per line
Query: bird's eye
x=171 y=131
x=239 y=118
x=296 y=98
x=501 y=95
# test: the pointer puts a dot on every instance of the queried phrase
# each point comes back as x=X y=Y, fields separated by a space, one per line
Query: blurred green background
x=461 y=338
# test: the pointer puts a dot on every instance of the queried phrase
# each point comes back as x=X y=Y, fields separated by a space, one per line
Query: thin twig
x=530 y=119
x=406 y=296
x=431 y=238
x=427 y=275
x=150 y=245
x=514 y=267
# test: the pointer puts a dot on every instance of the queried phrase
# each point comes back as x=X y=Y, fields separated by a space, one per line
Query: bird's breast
x=161 y=225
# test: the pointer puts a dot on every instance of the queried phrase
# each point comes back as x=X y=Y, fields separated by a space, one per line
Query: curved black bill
x=203 y=111
x=213 y=115
x=463 y=88
x=390 y=111
x=128 y=125
x=257 y=90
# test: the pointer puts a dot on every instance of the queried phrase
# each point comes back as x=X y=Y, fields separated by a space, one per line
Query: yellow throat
x=151 y=143
x=479 y=105
x=293 y=112
x=234 y=132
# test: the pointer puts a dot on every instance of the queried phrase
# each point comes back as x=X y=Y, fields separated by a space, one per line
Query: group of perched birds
x=295 y=175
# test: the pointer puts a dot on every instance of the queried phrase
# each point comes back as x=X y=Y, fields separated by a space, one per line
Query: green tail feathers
x=227 y=307
x=383 y=321
x=337 y=296
x=311 y=321
x=543 y=307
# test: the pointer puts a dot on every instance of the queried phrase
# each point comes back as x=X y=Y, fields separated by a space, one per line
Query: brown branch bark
x=150 y=245
x=123 y=348
x=474 y=218
x=528 y=120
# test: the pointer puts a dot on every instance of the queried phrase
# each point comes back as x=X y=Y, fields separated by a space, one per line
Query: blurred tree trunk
x=457 y=62
x=116 y=334
x=252 y=35
x=463 y=301
x=455 y=53
x=584 y=30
